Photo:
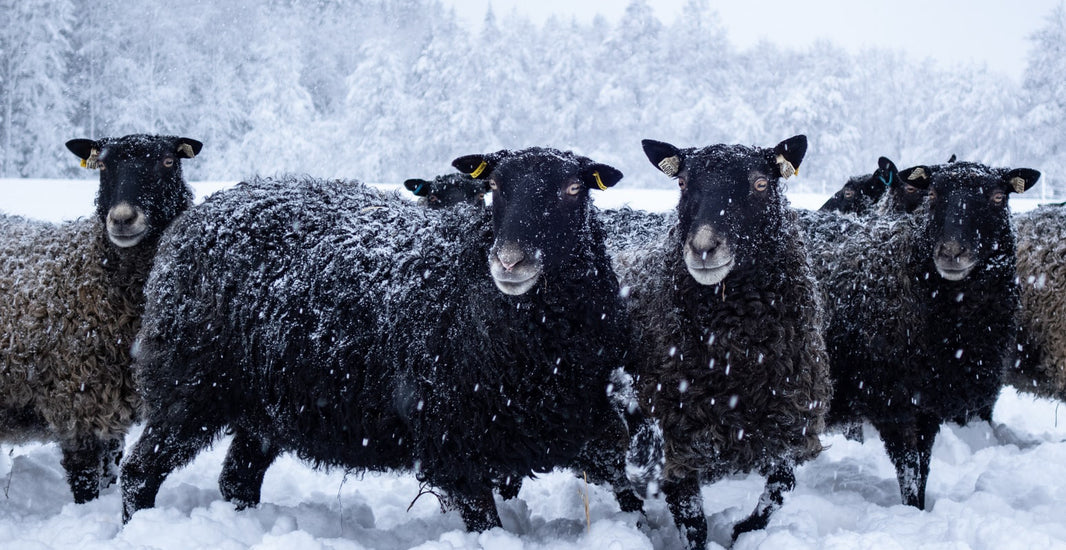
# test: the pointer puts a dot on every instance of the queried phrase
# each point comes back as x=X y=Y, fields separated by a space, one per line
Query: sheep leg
x=614 y=474
x=112 y=458
x=82 y=458
x=246 y=464
x=686 y=505
x=910 y=448
x=510 y=487
x=478 y=510
x=779 y=480
x=165 y=445
x=603 y=460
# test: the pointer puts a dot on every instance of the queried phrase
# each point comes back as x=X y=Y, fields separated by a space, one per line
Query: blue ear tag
x=418 y=189
x=887 y=183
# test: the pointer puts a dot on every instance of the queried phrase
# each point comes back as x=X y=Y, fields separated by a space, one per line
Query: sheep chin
x=126 y=241
x=709 y=271
x=953 y=274
x=516 y=288
x=710 y=276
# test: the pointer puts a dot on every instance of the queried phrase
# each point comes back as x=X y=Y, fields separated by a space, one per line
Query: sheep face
x=860 y=193
x=540 y=207
x=969 y=219
x=449 y=190
x=730 y=200
x=141 y=185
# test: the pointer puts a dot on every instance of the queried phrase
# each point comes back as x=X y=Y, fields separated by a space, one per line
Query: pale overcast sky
x=993 y=32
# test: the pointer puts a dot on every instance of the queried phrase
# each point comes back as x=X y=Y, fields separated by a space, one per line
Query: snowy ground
x=982 y=495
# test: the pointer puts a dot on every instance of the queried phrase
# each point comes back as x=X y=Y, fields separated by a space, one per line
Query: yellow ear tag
x=599 y=182
x=1018 y=184
x=481 y=168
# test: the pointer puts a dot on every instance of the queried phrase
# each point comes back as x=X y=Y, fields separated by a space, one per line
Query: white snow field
x=982 y=495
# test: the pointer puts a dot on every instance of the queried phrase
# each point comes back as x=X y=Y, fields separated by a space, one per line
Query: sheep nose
x=705 y=241
x=122 y=214
x=510 y=256
x=951 y=250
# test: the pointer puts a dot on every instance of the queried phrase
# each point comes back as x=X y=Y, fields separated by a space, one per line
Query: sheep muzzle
x=126 y=225
x=953 y=260
x=513 y=270
x=708 y=256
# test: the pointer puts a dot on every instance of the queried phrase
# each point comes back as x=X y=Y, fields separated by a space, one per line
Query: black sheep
x=728 y=351
x=448 y=190
x=921 y=313
x=361 y=330
x=867 y=194
x=860 y=193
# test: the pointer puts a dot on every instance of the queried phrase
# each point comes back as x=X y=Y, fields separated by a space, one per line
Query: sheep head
x=449 y=190
x=861 y=192
x=540 y=210
x=968 y=222
x=141 y=184
x=730 y=200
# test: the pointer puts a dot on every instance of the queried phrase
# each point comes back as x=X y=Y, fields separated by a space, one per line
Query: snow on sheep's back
x=58 y=200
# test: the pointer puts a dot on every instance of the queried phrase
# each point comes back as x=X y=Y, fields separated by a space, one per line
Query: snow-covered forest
x=383 y=90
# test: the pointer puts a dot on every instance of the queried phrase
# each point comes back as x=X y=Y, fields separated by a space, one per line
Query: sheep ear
x=887 y=172
x=419 y=187
x=918 y=176
x=188 y=148
x=952 y=158
x=476 y=166
x=85 y=149
x=1021 y=180
x=665 y=157
x=789 y=154
x=600 y=176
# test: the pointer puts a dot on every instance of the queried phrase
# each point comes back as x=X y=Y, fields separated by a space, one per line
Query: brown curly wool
x=1041 y=267
x=70 y=308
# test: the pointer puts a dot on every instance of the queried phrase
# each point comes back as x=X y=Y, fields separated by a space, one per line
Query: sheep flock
x=474 y=346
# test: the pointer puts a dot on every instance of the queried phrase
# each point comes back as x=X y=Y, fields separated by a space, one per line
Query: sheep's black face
x=969 y=219
x=540 y=208
x=449 y=190
x=860 y=193
x=141 y=186
x=730 y=201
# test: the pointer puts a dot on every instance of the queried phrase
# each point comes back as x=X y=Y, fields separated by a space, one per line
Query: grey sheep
x=71 y=301
x=1041 y=264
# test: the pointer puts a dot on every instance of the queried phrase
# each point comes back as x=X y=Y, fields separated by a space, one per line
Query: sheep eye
x=101 y=166
x=848 y=193
x=682 y=182
x=433 y=199
x=493 y=186
x=932 y=195
x=573 y=189
x=168 y=162
x=998 y=197
x=910 y=189
x=760 y=185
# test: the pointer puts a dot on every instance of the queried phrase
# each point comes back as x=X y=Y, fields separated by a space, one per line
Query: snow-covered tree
x=35 y=108
x=1045 y=116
